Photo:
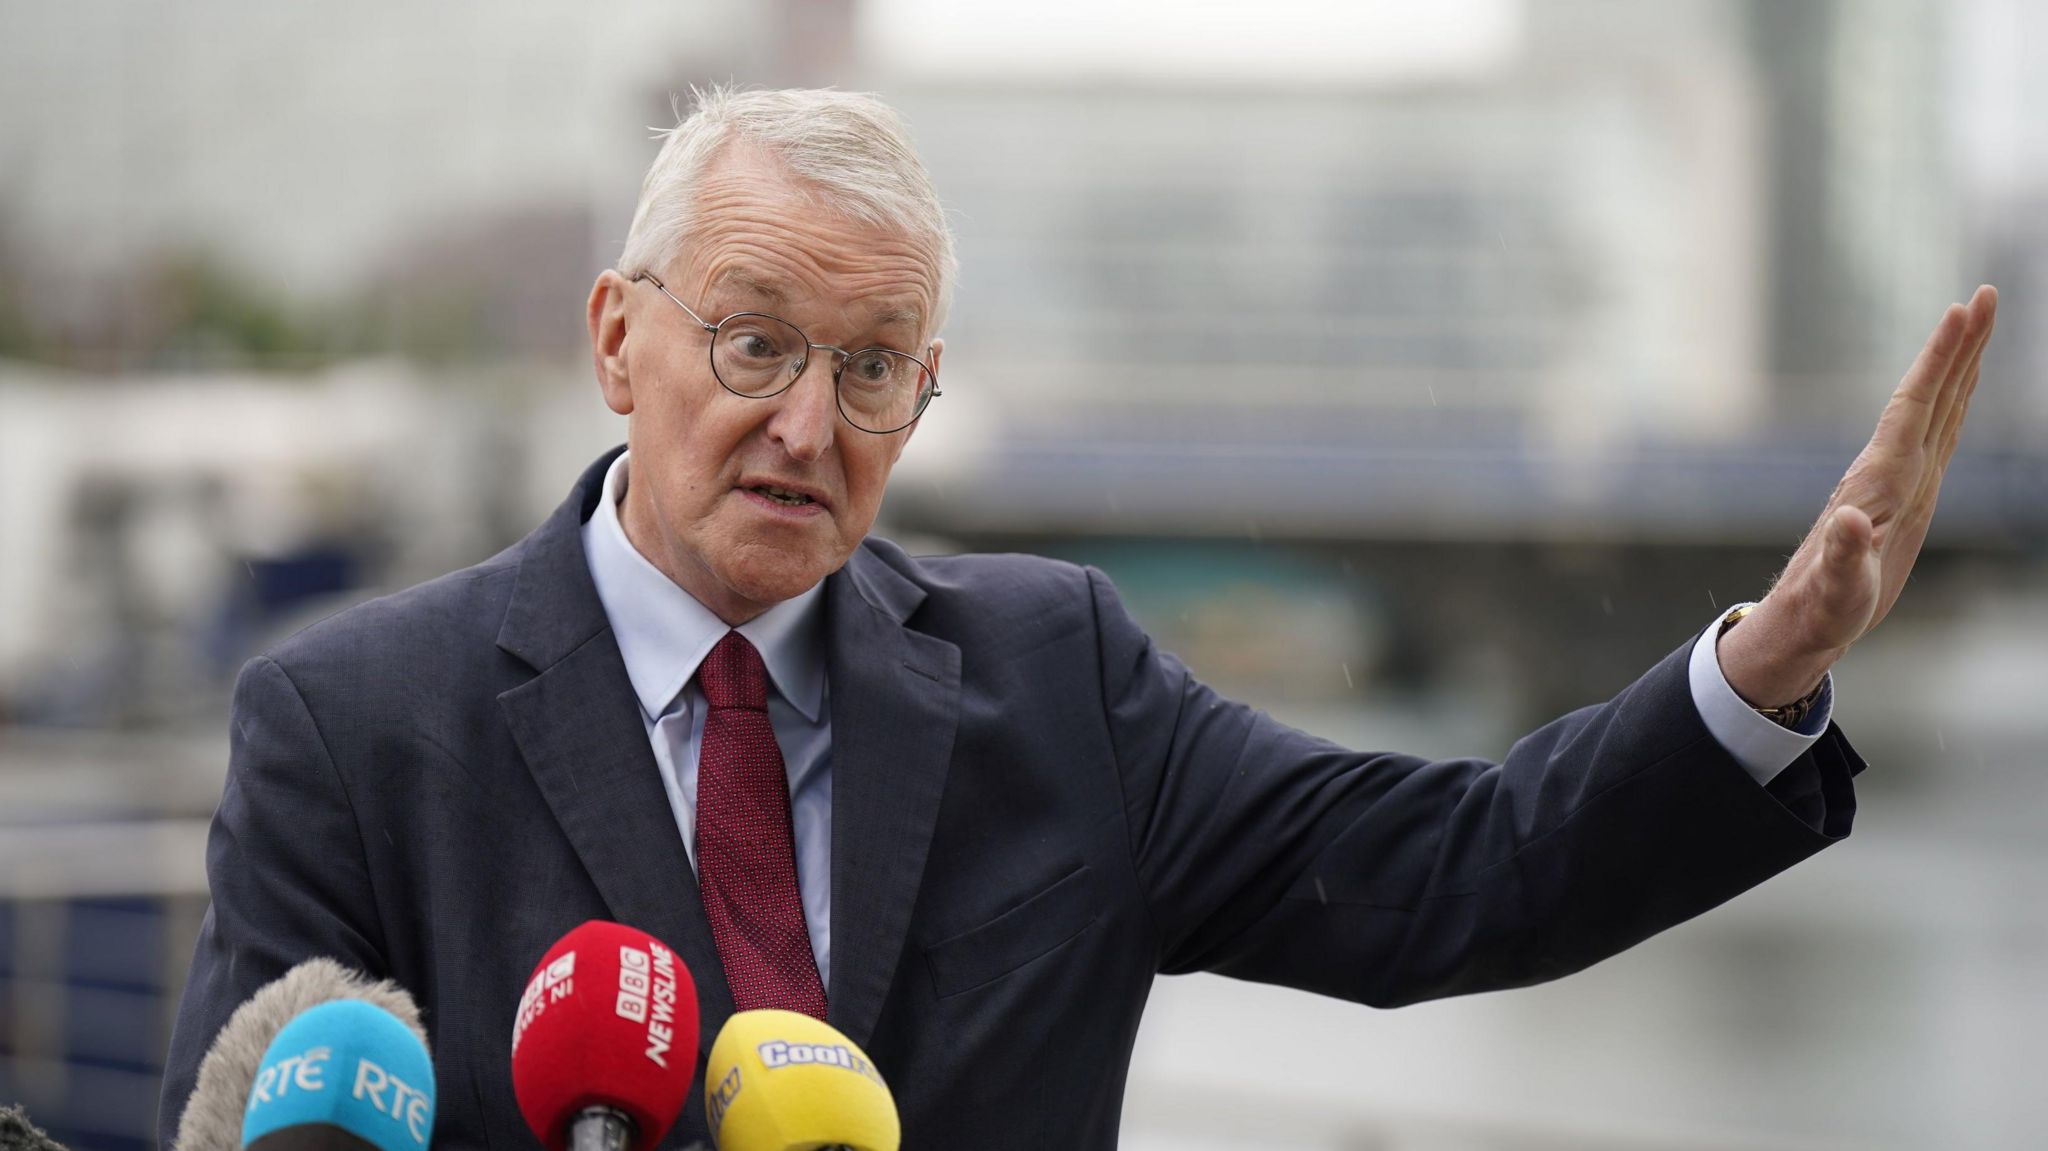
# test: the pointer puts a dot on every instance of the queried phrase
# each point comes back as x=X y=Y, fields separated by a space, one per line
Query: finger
x=1954 y=435
x=1983 y=316
x=1908 y=416
x=1845 y=543
x=1942 y=445
x=1921 y=511
x=1952 y=424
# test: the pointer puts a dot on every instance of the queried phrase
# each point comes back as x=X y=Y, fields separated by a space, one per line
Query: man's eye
x=755 y=346
x=871 y=367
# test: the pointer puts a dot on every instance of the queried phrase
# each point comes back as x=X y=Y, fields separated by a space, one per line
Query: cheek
x=701 y=441
x=867 y=475
x=685 y=480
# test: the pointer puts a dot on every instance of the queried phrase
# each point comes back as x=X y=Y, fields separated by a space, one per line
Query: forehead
x=744 y=287
x=764 y=239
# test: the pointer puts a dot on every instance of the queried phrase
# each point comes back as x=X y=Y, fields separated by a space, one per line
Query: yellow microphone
x=780 y=1081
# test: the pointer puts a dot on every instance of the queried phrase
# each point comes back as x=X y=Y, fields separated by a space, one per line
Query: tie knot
x=734 y=676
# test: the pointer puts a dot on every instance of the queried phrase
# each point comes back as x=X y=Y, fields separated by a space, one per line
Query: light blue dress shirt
x=1761 y=746
x=663 y=634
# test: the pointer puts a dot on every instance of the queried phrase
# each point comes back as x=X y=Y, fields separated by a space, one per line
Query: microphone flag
x=784 y=1081
x=608 y=1021
x=345 y=1065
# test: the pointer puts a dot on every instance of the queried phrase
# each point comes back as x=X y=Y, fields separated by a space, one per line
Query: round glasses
x=757 y=355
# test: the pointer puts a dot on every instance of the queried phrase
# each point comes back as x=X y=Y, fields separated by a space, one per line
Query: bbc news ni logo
x=552 y=983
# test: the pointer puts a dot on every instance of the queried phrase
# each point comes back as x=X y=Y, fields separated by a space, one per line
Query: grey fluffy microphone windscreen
x=18 y=1134
x=213 y=1118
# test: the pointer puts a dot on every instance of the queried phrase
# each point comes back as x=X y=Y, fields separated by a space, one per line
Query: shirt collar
x=664 y=632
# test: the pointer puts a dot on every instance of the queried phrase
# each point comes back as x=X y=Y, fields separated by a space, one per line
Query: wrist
x=1764 y=663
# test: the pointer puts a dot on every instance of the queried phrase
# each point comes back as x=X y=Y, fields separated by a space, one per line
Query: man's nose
x=807 y=414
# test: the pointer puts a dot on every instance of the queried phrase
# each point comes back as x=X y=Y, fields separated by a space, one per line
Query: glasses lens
x=881 y=390
x=756 y=355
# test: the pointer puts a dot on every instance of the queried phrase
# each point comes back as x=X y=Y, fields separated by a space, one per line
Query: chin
x=768 y=577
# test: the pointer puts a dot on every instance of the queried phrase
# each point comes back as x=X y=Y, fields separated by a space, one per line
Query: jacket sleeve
x=286 y=867
x=1382 y=878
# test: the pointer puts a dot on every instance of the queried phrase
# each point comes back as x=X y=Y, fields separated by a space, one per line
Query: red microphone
x=605 y=1045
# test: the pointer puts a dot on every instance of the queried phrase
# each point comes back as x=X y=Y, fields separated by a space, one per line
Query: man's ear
x=607 y=319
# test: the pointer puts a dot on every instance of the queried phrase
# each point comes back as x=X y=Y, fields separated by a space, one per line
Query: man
x=962 y=808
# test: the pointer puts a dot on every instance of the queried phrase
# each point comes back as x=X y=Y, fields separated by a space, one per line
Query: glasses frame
x=838 y=369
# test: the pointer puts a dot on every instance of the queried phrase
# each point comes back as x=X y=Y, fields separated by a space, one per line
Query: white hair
x=848 y=147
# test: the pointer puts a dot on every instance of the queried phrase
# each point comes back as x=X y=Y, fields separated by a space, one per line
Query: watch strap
x=1788 y=715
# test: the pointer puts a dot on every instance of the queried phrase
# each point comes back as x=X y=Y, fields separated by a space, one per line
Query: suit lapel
x=895 y=699
x=578 y=726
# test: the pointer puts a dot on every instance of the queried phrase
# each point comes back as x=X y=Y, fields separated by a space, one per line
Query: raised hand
x=1854 y=561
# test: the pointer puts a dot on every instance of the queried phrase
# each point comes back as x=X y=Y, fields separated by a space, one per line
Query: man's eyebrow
x=753 y=283
x=765 y=287
x=899 y=315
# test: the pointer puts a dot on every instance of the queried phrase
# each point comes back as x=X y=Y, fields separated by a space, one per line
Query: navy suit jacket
x=1035 y=812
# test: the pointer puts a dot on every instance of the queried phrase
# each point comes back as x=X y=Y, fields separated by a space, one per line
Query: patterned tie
x=746 y=854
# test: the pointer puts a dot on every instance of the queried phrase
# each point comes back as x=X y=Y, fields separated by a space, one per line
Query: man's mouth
x=782 y=496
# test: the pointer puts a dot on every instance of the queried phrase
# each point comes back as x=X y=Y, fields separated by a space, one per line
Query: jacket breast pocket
x=1034 y=927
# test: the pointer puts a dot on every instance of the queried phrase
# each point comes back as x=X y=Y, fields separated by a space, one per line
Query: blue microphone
x=343 y=1075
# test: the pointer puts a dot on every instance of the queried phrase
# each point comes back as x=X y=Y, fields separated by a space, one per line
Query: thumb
x=1847 y=538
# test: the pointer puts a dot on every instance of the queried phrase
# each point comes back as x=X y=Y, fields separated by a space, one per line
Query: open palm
x=1853 y=564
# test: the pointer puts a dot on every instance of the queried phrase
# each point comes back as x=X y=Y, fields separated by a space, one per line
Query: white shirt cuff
x=1760 y=745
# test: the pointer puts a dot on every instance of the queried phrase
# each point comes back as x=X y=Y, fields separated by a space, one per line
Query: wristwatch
x=1790 y=715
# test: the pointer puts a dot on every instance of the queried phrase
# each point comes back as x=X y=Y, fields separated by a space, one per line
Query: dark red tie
x=746 y=853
